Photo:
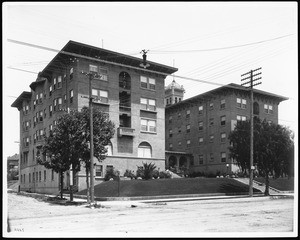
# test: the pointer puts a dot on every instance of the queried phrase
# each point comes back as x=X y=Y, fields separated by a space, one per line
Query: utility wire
x=216 y=49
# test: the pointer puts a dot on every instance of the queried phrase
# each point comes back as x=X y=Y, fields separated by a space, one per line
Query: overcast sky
x=208 y=41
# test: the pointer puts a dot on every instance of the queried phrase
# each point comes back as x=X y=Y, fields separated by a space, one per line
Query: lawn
x=282 y=184
x=156 y=187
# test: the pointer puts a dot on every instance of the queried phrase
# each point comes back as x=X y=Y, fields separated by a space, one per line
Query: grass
x=133 y=188
x=282 y=184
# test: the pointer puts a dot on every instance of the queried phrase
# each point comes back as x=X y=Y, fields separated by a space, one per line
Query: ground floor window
x=99 y=171
x=144 y=150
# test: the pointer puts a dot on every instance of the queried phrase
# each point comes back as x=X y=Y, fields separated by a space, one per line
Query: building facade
x=197 y=128
x=132 y=96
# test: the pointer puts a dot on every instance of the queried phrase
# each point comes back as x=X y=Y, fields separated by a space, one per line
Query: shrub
x=155 y=174
x=148 y=170
x=128 y=173
x=111 y=173
x=140 y=172
x=164 y=174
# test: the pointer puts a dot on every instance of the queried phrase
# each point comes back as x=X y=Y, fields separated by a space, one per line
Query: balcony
x=125 y=131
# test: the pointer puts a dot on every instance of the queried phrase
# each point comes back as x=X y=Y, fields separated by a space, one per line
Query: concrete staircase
x=260 y=186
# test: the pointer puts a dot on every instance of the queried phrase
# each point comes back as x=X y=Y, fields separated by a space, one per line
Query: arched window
x=109 y=149
x=144 y=150
x=255 y=108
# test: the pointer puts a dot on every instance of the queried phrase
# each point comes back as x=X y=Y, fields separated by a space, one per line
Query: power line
x=222 y=48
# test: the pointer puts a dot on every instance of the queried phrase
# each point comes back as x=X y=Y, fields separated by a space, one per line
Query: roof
x=14 y=157
x=229 y=86
x=81 y=50
x=18 y=102
x=174 y=85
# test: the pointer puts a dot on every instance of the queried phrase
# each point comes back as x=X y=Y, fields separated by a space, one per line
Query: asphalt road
x=258 y=216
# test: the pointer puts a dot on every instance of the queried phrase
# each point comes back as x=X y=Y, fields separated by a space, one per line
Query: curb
x=166 y=197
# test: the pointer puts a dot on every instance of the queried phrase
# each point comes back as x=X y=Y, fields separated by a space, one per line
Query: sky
x=209 y=42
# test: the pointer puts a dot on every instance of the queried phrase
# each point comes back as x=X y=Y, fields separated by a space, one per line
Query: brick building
x=132 y=96
x=197 y=128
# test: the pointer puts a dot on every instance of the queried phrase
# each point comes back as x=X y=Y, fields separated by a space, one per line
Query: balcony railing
x=125 y=131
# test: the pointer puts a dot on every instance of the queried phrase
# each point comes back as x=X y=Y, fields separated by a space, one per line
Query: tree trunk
x=87 y=185
x=61 y=184
x=267 y=185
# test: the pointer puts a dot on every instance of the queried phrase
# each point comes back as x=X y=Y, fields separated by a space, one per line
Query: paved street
x=245 y=216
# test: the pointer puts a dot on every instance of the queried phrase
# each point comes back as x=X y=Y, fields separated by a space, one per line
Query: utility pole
x=91 y=77
x=251 y=76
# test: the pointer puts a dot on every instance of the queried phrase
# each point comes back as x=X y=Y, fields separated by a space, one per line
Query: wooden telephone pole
x=251 y=82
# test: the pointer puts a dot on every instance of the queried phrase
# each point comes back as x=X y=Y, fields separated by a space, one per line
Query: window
x=50 y=127
x=170 y=133
x=179 y=144
x=170 y=119
x=41 y=116
x=170 y=146
x=179 y=115
x=201 y=110
x=54 y=83
x=59 y=100
x=223 y=137
x=188 y=128
x=27 y=141
x=188 y=143
x=179 y=129
x=241 y=118
x=50 y=91
x=175 y=99
x=71 y=73
x=50 y=110
x=268 y=108
x=223 y=120
x=148 y=104
x=244 y=103
x=201 y=159
x=54 y=104
x=103 y=72
x=59 y=80
x=200 y=140
x=222 y=106
x=211 y=122
x=45 y=177
x=148 y=83
x=33 y=177
x=45 y=112
x=65 y=98
x=223 y=157
x=52 y=175
x=144 y=150
x=188 y=113
x=41 y=98
x=211 y=157
x=71 y=96
x=211 y=138
x=99 y=171
x=201 y=126
x=93 y=68
x=152 y=83
x=241 y=103
x=148 y=125
x=40 y=176
x=29 y=177
x=100 y=96
x=37 y=176
x=144 y=82
x=211 y=106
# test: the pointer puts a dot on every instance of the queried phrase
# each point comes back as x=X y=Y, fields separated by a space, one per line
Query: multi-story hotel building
x=197 y=128
x=132 y=96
